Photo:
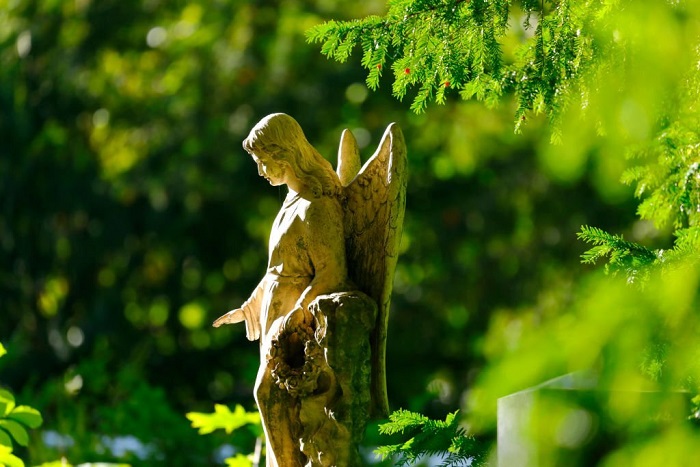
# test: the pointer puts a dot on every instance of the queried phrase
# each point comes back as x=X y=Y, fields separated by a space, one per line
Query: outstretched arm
x=248 y=312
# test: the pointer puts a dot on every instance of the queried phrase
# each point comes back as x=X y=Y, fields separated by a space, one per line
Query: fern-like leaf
x=427 y=437
x=633 y=259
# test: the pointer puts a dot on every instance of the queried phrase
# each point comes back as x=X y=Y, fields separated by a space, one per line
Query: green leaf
x=5 y=439
x=222 y=418
x=18 y=432
x=7 y=459
x=7 y=402
x=238 y=461
x=2 y=350
x=27 y=415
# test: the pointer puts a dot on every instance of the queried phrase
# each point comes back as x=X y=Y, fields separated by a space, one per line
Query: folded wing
x=374 y=211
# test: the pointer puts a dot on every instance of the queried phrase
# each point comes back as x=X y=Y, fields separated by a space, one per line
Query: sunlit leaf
x=239 y=460
x=18 y=432
x=7 y=402
x=7 y=459
x=5 y=439
x=27 y=415
x=222 y=418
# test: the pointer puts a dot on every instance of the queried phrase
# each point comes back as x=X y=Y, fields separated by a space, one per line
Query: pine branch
x=685 y=251
x=436 y=46
x=631 y=258
x=441 y=47
x=427 y=437
x=401 y=420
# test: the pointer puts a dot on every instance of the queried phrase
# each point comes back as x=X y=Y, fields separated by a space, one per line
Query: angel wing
x=374 y=211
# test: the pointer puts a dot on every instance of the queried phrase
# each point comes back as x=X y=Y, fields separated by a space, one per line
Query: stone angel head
x=284 y=156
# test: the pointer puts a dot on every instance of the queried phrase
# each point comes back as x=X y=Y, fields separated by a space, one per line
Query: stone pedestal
x=571 y=421
x=324 y=364
x=334 y=430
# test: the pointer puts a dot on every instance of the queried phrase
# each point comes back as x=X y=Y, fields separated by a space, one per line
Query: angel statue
x=321 y=309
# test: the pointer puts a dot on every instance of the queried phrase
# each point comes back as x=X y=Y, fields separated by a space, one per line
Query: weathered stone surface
x=322 y=356
x=334 y=417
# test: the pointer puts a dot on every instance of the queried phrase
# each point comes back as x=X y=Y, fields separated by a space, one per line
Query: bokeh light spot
x=192 y=315
x=156 y=37
x=356 y=93
x=75 y=336
x=24 y=44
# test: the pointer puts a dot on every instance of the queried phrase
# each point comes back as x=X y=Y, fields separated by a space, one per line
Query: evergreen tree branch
x=439 y=47
x=628 y=257
x=427 y=437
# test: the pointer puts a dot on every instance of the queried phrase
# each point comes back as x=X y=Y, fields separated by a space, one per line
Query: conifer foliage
x=666 y=175
x=426 y=437
x=437 y=47
x=628 y=257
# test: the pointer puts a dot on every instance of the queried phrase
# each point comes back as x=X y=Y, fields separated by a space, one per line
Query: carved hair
x=280 y=137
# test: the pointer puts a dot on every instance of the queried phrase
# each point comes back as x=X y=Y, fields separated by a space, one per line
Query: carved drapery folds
x=321 y=310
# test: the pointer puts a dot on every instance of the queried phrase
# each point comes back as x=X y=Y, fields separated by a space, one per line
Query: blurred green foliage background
x=131 y=217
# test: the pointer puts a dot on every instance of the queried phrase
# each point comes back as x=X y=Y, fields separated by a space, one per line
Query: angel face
x=270 y=169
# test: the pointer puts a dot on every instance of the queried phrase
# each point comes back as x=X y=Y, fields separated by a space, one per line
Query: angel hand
x=233 y=316
x=252 y=326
